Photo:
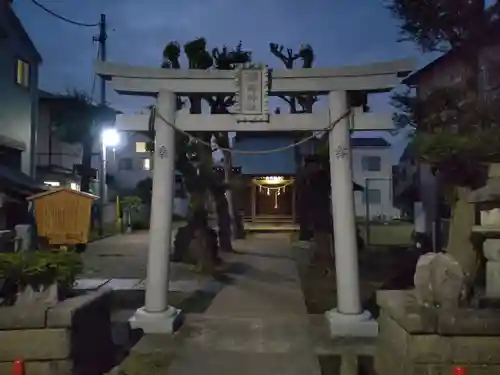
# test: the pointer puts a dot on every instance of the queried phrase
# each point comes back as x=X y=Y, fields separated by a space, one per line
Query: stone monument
x=487 y=200
x=431 y=330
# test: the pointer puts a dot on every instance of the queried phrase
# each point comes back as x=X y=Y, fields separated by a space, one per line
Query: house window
x=74 y=186
x=146 y=164
x=371 y=163
x=125 y=164
x=373 y=196
x=23 y=73
x=140 y=147
x=52 y=183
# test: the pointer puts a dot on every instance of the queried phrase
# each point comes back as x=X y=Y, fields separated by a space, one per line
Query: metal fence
x=380 y=222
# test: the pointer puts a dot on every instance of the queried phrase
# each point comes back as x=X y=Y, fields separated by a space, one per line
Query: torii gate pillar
x=157 y=316
x=348 y=318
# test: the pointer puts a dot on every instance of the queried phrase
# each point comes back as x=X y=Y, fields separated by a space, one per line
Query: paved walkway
x=252 y=321
x=257 y=324
x=123 y=256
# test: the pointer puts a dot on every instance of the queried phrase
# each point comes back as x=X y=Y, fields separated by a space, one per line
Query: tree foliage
x=438 y=25
x=288 y=58
x=454 y=135
x=77 y=120
x=193 y=158
x=456 y=123
x=75 y=117
x=456 y=120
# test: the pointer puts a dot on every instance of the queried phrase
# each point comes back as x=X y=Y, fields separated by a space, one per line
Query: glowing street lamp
x=110 y=137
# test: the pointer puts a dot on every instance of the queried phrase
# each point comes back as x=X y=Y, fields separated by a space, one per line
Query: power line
x=62 y=18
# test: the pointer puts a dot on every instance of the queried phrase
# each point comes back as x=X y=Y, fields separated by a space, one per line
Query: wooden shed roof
x=53 y=191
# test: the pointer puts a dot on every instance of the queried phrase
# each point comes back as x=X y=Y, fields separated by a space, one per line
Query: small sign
x=162 y=151
x=341 y=152
x=252 y=94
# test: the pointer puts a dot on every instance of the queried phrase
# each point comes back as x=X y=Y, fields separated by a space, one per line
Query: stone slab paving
x=185 y=286
x=124 y=257
x=257 y=324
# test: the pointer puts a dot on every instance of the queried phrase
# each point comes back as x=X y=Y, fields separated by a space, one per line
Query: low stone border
x=72 y=337
x=184 y=286
x=413 y=340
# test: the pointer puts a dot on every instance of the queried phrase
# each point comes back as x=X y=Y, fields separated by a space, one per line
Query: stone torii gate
x=252 y=86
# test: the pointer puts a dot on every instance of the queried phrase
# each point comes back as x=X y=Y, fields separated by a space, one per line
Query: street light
x=109 y=138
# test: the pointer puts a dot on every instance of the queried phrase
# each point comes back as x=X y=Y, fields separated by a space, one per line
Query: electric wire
x=62 y=18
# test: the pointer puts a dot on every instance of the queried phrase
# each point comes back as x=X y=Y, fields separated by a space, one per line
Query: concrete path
x=123 y=256
x=257 y=324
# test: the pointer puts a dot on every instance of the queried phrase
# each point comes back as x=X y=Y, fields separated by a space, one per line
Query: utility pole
x=101 y=39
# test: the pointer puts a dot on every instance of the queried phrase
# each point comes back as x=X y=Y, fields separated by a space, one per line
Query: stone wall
x=414 y=341
x=72 y=337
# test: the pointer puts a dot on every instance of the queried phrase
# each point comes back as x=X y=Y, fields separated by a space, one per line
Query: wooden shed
x=63 y=215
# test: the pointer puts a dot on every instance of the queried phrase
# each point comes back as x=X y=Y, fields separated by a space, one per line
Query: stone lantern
x=487 y=200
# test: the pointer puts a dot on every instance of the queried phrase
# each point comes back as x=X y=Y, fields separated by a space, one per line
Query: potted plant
x=130 y=206
x=39 y=276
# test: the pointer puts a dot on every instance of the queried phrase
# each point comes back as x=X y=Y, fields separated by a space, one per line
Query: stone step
x=258 y=345
x=130 y=293
x=185 y=286
x=283 y=334
x=223 y=363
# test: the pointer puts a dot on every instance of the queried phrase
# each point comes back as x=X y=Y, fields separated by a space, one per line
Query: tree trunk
x=459 y=236
x=223 y=219
x=305 y=229
x=228 y=170
x=87 y=145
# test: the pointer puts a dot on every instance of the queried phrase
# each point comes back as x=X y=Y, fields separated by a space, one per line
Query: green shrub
x=41 y=268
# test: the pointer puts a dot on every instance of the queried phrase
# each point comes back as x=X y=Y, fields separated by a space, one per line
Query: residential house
x=372 y=169
x=58 y=162
x=416 y=192
x=414 y=181
x=131 y=162
x=19 y=62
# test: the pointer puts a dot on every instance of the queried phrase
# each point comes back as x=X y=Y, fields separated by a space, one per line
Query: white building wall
x=376 y=180
x=126 y=180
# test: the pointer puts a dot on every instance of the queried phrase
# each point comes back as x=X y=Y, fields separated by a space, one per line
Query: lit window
x=140 y=147
x=23 y=73
x=146 y=164
x=52 y=183
x=75 y=186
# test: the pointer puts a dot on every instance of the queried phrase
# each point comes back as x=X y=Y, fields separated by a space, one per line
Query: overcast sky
x=342 y=32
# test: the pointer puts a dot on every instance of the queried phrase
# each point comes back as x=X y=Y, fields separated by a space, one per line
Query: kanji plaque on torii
x=252 y=94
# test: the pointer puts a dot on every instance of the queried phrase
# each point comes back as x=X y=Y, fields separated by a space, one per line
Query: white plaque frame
x=257 y=78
